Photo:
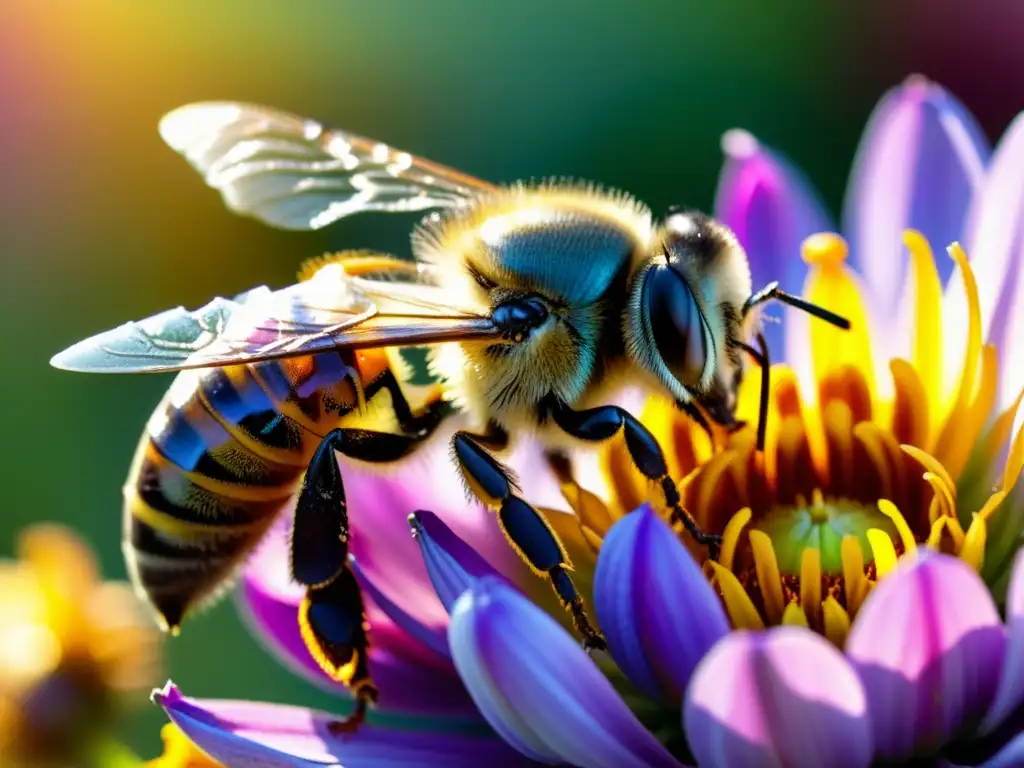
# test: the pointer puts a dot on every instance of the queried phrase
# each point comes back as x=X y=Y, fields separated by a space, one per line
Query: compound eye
x=676 y=324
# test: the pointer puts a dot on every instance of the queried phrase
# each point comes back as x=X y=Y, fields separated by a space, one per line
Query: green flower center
x=822 y=525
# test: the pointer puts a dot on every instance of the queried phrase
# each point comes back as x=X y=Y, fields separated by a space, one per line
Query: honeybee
x=535 y=300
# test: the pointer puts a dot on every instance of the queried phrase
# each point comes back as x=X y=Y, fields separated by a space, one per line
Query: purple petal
x=928 y=646
x=1010 y=694
x=452 y=564
x=539 y=689
x=785 y=697
x=996 y=249
x=771 y=206
x=411 y=676
x=656 y=609
x=379 y=508
x=1010 y=756
x=240 y=734
x=920 y=161
x=434 y=638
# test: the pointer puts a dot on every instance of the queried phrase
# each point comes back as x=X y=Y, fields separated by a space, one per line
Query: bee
x=534 y=300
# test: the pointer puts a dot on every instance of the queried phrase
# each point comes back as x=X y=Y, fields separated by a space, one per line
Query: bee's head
x=684 y=310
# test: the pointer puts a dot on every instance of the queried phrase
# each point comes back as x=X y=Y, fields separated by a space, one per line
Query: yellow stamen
x=969 y=372
x=838 y=422
x=738 y=604
x=991 y=504
x=591 y=511
x=836 y=621
x=731 y=536
x=965 y=424
x=928 y=316
x=794 y=616
x=854 y=580
x=766 y=566
x=931 y=464
x=973 y=550
x=943 y=494
x=999 y=433
x=885 y=553
x=871 y=438
x=710 y=475
x=830 y=284
x=179 y=752
x=910 y=414
x=1014 y=461
x=906 y=535
x=810 y=584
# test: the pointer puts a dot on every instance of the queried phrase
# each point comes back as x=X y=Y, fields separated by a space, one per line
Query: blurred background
x=101 y=223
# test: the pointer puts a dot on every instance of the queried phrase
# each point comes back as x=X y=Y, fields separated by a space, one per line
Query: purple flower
x=922 y=164
x=928 y=670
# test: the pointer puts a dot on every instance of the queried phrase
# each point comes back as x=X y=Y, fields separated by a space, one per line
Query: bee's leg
x=601 y=423
x=422 y=423
x=331 y=615
x=530 y=535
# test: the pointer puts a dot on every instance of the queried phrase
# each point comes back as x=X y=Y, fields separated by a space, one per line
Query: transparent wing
x=294 y=173
x=330 y=311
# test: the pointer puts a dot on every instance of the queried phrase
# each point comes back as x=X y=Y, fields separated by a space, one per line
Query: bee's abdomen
x=221 y=456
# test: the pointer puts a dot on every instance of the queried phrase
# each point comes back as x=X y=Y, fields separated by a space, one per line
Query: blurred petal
x=785 y=697
x=411 y=676
x=928 y=646
x=239 y=733
x=920 y=161
x=539 y=689
x=656 y=609
x=452 y=564
x=771 y=206
x=1011 y=682
x=1010 y=756
x=995 y=246
x=434 y=638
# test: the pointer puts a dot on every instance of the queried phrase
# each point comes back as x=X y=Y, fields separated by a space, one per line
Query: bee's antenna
x=761 y=358
x=771 y=292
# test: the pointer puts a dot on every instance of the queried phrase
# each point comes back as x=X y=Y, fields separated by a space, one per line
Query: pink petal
x=928 y=646
x=246 y=734
x=785 y=698
x=772 y=207
x=411 y=676
x=920 y=161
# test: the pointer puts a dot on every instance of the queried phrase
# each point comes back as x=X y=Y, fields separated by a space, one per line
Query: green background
x=101 y=223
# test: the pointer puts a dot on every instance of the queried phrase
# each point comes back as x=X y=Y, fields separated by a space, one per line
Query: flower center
x=821 y=524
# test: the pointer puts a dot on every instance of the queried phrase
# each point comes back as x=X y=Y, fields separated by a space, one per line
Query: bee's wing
x=330 y=311
x=294 y=173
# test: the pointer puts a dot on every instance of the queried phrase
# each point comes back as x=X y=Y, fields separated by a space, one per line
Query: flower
x=843 y=623
x=923 y=163
x=73 y=649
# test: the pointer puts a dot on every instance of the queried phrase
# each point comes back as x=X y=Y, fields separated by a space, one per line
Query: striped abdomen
x=221 y=456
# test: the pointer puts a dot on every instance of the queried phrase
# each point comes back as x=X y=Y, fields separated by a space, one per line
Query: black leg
x=529 y=533
x=331 y=615
x=601 y=423
x=761 y=358
x=410 y=423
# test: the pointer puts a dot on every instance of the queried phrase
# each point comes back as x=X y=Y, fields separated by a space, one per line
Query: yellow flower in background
x=73 y=651
x=179 y=752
